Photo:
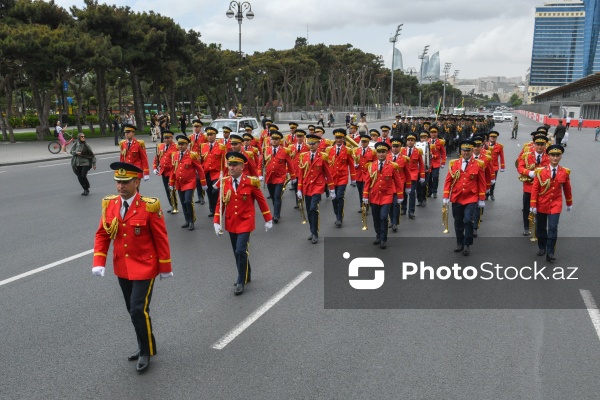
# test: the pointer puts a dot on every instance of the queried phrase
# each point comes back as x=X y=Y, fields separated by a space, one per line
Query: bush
x=92 y=118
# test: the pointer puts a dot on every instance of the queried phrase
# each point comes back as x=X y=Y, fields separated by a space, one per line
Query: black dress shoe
x=419 y=204
x=492 y=197
x=275 y=220
x=239 y=289
x=550 y=257
x=338 y=224
x=296 y=207
x=187 y=224
x=211 y=214
x=466 y=251
x=383 y=245
x=541 y=252
x=315 y=239
x=201 y=200
x=142 y=364
x=394 y=228
x=310 y=237
x=360 y=211
x=198 y=201
x=169 y=211
x=435 y=195
x=134 y=356
x=377 y=241
x=83 y=194
x=191 y=227
x=403 y=212
x=526 y=232
x=459 y=248
x=411 y=216
x=474 y=232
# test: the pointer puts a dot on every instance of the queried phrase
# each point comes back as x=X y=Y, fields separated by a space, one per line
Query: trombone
x=532 y=221
x=363 y=210
x=445 y=218
x=174 y=201
x=301 y=207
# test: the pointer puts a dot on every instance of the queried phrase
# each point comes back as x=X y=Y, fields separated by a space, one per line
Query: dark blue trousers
x=410 y=198
x=360 y=186
x=464 y=216
x=338 y=203
x=137 y=295
x=395 y=211
x=311 y=204
x=547 y=231
x=186 y=198
x=275 y=193
x=165 y=180
x=380 y=220
x=240 y=243
x=434 y=180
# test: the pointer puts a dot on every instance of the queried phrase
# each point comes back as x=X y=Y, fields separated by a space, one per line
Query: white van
x=498 y=116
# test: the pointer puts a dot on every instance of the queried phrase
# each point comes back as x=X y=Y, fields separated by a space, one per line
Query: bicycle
x=55 y=147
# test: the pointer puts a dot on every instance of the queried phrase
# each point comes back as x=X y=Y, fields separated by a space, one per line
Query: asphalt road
x=65 y=334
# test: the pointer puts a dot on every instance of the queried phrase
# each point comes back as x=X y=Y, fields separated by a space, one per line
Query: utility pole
x=421 y=57
x=394 y=39
x=446 y=70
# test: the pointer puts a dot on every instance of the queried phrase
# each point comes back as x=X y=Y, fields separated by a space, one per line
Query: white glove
x=422 y=180
x=155 y=172
x=165 y=275
x=446 y=201
x=260 y=178
x=98 y=271
x=293 y=181
x=332 y=194
x=533 y=210
x=353 y=183
x=355 y=165
x=146 y=177
x=569 y=208
x=407 y=192
x=204 y=188
x=531 y=174
x=365 y=200
x=493 y=181
x=443 y=166
x=299 y=194
x=502 y=170
x=217 y=228
x=399 y=200
x=481 y=204
x=268 y=225
x=171 y=187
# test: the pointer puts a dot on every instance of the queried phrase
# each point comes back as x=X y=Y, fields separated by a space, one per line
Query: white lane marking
x=108 y=158
x=592 y=309
x=53 y=165
x=241 y=327
x=103 y=172
x=45 y=267
x=1 y=172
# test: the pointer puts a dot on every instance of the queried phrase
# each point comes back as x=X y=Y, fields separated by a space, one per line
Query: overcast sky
x=479 y=37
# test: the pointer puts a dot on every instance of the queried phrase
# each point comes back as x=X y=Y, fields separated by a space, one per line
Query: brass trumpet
x=363 y=210
x=174 y=201
x=445 y=218
x=301 y=207
x=532 y=226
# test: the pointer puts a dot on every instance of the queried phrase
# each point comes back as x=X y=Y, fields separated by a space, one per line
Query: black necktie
x=312 y=157
x=235 y=184
x=409 y=151
x=539 y=159
x=338 y=151
x=364 y=151
x=126 y=205
x=128 y=145
x=395 y=156
x=274 y=151
x=166 y=148
x=380 y=166
x=211 y=145
x=299 y=146
x=465 y=162
x=180 y=155
x=553 y=173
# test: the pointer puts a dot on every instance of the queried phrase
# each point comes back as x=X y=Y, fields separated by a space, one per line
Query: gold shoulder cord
x=111 y=229
x=545 y=184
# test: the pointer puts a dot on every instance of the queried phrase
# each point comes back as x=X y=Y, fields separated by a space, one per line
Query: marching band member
x=295 y=151
x=396 y=157
x=363 y=156
x=212 y=155
x=341 y=162
x=438 y=160
x=497 y=152
x=163 y=162
x=133 y=151
x=416 y=167
x=278 y=163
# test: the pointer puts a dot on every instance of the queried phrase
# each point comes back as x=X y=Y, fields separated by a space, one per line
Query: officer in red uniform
x=250 y=166
x=385 y=135
x=549 y=183
x=465 y=188
x=363 y=156
x=341 y=162
x=248 y=131
x=478 y=154
x=133 y=151
x=416 y=166
x=438 y=160
x=278 y=164
x=497 y=152
x=324 y=143
x=375 y=135
x=212 y=155
x=239 y=194
x=295 y=151
x=197 y=138
x=163 y=163
x=396 y=157
x=225 y=139
x=186 y=166
x=290 y=138
x=383 y=182
x=140 y=252
x=526 y=166
x=313 y=177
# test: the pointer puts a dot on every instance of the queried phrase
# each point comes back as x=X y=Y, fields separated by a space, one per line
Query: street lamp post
x=393 y=40
x=239 y=8
x=446 y=70
x=421 y=57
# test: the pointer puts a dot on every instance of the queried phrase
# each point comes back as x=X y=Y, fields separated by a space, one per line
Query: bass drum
x=424 y=147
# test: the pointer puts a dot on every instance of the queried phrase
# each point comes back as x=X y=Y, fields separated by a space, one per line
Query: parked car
x=498 y=116
x=236 y=125
x=507 y=117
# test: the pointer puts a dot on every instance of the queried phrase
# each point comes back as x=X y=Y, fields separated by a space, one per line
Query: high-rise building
x=398 y=65
x=565 y=43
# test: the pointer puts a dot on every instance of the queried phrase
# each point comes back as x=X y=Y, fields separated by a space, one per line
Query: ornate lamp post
x=446 y=70
x=237 y=8
x=393 y=40
x=421 y=57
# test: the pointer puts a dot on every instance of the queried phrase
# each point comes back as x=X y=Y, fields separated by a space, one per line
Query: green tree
x=515 y=100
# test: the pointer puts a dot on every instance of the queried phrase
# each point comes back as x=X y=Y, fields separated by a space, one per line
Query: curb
x=51 y=159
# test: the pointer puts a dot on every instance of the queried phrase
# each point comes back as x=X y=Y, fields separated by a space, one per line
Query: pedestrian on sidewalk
x=597 y=132
x=83 y=160
x=580 y=123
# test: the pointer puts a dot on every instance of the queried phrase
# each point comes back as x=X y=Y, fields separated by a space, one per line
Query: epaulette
x=287 y=151
x=488 y=157
x=501 y=145
x=194 y=155
x=223 y=146
x=443 y=142
x=254 y=181
x=568 y=171
x=396 y=166
x=142 y=144
x=406 y=158
x=329 y=142
x=420 y=151
x=106 y=200
x=152 y=203
x=481 y=163
x=325 y=157
x=121 y=142
x=452 y=162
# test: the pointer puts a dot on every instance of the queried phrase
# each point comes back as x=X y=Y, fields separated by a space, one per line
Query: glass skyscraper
x=565 y=43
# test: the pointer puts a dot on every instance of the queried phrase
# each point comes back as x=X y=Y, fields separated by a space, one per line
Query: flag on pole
x=438 y=109
x=462 y=103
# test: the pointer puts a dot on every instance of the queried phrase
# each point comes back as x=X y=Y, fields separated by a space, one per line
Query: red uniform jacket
x=185 y=170
x=196 y=141
x=289 y=139
x=312 y=177
x=387 y=140
x=437 y=149
x=546 y=195
x=468 y=186
x=239 y=206
x=162 y=160
x=135 y=154
x=380 y=187
x=276 y=167
x=489 y=170
x=212 y=160
x=295 y=151
x=264 y=138
x=340 y=164
x=402 y=162
x=497 y=151
x=363 y=160
x=527 y=163
x=226 y=142
x=141 y=245
x=325 y=143
x=416 y=166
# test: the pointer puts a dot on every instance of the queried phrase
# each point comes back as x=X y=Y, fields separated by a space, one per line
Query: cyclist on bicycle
x=59 y=131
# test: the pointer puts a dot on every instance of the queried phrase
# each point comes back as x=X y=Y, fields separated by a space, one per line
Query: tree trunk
x=138 y=101
x=103 y=113
x=41 y=102
x=9 y=100
x=77 y=91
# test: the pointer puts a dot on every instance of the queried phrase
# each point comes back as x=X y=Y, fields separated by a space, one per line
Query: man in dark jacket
x=559 y=132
